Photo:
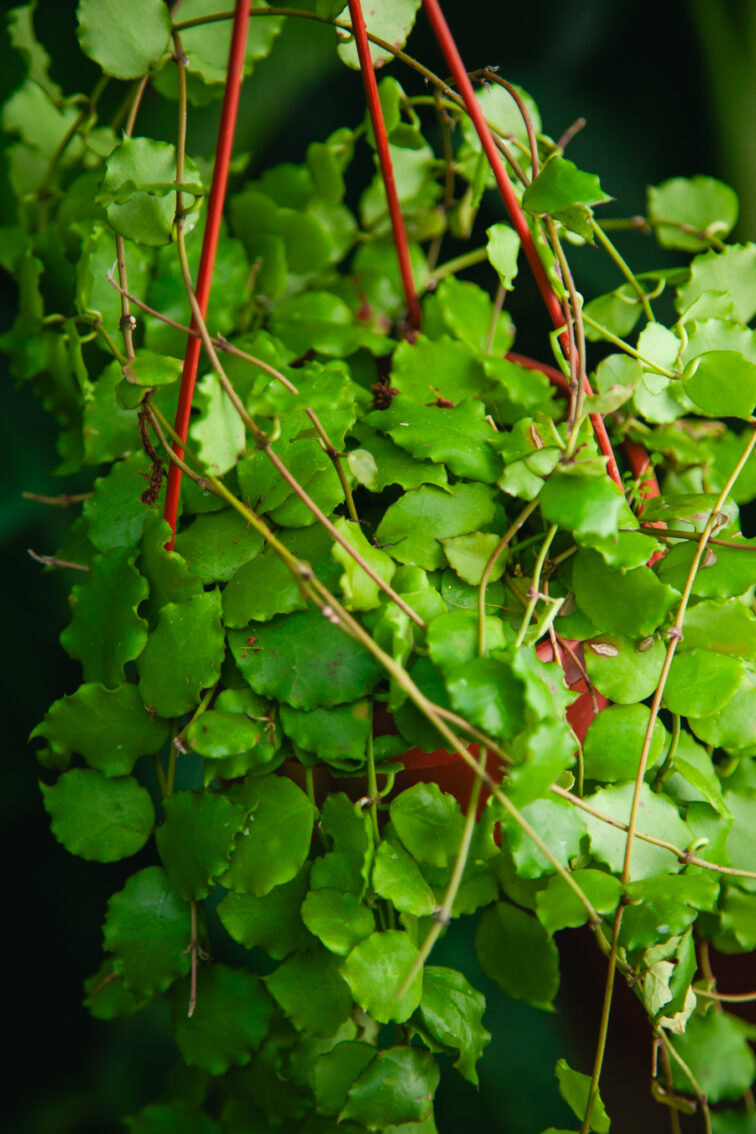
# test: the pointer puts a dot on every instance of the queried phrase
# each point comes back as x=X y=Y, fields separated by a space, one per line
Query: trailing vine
x=381 y=623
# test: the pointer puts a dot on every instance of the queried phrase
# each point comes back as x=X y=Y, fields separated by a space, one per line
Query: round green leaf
x=575 y=1089
x=701 y=682
x=722 y=383
x=196 y=839
x=124 y=40
x=148 y=928
x=397 y=1087
x=515 y=951
x=423 y=516
x=701 y=203
x=96 y=818
x=725 y=572
x=105 y=630
x=183 y=655
x=275 y=841
x=734 y=726
x=558 y=907
x=488 y=694
x=229 y=1022
x=716 y=1049
x=273 y=922
x=311 y=992
x=452 y=1011
x=338 y=919
x=630 y=603
x=624 y=670
x=614 y=741
x=216 y=544
x=110 y=728
x=136 y=189
x=376 y=969
x=337 y=1069
x=397 y=877
x=304 y=660
x=429 y=822
x=336 y=736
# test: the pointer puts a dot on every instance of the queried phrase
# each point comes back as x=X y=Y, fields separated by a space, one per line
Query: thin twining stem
x=508 y=536
x=677 y=533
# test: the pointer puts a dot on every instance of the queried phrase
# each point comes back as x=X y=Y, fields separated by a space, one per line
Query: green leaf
x=738 y=914
x=575 y=1089
x=423 y=516
x=304 y=660
x=715 y=1047
x=658 y=816
x=489 y=695
x=665 y=906
x=468 y=555
x=431 y=369
x=183 y=655
x=359 y=590
x=456 y=436
x=105 y=630
x=102 y=820
x=229 y=1022
x=336 y=1070
x=108 y=430
x=466 y=311
x=272 y=922
x=125 y=42
x=111 y=729
x=614 y=741
x=701 y=203
x=560 y=826
x=115 y=513
x=582 y=501
x=275 y=842
x=724 y=573
x=217 y=544
x=136 y=189
x=516 y=952
x=452 y=1011
x=196 y=839
x=311 y=992
x=148 y=928
x=453 y=637
x=338 y=919
x=392 y=21
x=558 y=907
x=346 y=830
x=733 y=725
x=722 y=383
x=375 y=971
x=380 y=463
x=727 y=627
x=503 y=248
x=336 y=736
x=397 y=878
x=265 y=586
x=218 y=433
x=559 y=185
x=701 y=682
x=107 y=997
x=207 y=47
x=22 y=36
x=732 y=271
x=622 y=669
x=630 y=603
x=429 y=822
x=397 y=1087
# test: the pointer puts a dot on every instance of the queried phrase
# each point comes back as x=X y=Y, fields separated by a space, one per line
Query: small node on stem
x=328 y=612
x=675 y=633
x=442 y=916
x=127 y=323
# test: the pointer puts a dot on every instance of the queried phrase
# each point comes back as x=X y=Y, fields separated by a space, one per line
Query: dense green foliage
x=376 y=531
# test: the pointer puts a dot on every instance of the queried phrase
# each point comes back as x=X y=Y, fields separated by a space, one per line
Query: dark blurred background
x=667 y=89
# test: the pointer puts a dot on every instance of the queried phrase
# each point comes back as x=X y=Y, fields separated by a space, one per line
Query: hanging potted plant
x=383 y=624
